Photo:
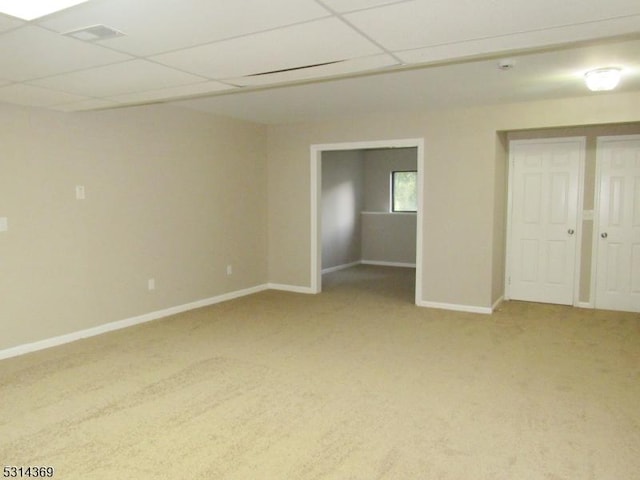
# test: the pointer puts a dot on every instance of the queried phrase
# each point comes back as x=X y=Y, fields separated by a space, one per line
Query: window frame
x=393 y=193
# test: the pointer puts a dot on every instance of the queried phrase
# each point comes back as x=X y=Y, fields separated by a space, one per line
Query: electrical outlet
x=151 y=284
x=80 y=192
x=229 y=270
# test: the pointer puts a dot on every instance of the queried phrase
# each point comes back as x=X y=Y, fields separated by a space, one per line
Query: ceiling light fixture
x=32 y=9
x=602 y=79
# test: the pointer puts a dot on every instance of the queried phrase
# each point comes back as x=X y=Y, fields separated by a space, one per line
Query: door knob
x=570 y=231
x=604 y=235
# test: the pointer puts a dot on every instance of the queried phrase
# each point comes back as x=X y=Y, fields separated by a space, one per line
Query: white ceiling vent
x=94 y=33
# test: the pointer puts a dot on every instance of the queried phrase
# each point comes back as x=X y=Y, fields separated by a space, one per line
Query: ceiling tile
x=7 y=22
x=418 y=24
x=356 y=65
x=117 y=79
x=342 y=6
x=155 y=26
x=536 y=76
x=89 y=104
x=173 y=92
x=32 y=52
x=291 y=47
x=21 y=94
x=521 y=41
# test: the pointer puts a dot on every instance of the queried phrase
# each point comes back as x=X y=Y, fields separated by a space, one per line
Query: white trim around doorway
x=316 y=192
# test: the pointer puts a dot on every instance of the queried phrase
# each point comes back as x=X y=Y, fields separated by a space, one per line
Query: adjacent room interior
x=369 y=208
x=320 y=239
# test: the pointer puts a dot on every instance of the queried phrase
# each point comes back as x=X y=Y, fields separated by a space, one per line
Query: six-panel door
x=543 y=221
x=618 y=230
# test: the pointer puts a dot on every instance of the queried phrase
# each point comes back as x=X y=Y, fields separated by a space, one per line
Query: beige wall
x=389 y=238
x=171 y=194
x=464 y=186
x=342 y=201
x=380 y=162
x=177 y=195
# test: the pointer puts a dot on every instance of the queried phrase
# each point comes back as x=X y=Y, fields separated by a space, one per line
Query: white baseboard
x=129 y=322
x=289 y=288
x=341 y=267
x=148 y=317
x=456 y=307
x=496 y=304
x=388 y=264
x=585 y=305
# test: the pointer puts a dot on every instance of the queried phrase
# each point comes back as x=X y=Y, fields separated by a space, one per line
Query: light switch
x=80 y=192
x=4 y=224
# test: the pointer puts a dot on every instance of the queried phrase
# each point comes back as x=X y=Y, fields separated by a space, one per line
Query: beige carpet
x=355 y=383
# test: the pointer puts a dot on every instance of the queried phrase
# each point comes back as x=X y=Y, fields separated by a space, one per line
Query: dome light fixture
x=602 y=79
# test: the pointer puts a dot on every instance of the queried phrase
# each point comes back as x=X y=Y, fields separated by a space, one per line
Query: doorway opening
x=316 y=202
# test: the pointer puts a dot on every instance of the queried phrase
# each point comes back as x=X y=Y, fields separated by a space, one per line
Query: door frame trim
x=582 y=140
x=316 y=193
x=600 y=140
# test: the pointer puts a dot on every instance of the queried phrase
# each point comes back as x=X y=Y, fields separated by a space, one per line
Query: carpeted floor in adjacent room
x=354 y=383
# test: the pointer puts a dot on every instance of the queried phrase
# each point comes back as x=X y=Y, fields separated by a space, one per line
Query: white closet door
x=543 y=219
x=618 y=229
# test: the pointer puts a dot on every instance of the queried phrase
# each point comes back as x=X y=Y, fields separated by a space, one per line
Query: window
x=404 y=188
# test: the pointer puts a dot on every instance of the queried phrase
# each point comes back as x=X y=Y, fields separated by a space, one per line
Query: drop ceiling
x=276 y=61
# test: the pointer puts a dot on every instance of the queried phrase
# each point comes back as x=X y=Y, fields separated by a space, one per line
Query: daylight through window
x=404 y=187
